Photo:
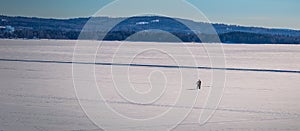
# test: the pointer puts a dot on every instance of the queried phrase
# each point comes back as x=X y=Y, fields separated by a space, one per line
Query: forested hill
x=40 y=28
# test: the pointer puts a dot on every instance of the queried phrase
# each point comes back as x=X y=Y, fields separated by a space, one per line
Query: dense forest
x=38 y=28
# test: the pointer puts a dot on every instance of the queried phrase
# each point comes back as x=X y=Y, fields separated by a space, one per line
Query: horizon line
x=85 y=17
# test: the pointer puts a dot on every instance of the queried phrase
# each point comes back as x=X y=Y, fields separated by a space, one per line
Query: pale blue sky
x=267 y=13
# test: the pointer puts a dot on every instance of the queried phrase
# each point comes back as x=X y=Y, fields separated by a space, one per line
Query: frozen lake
x=157 y=80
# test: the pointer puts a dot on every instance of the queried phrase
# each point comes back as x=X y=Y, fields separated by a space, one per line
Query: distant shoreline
x=185 y=43
x=71 y=29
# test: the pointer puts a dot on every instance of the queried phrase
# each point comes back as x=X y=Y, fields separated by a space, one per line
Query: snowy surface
x=37 y=95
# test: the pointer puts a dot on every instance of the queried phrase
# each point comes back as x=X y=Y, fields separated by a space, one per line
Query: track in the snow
x=156 y=66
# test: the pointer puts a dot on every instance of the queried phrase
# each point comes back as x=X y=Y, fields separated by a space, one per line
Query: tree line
x=232 y=37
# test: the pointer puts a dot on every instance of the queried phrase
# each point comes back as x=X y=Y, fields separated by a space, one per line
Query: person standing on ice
x=199 y=84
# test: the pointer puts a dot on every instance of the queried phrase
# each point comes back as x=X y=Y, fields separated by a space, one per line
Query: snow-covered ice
x=37 y=90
